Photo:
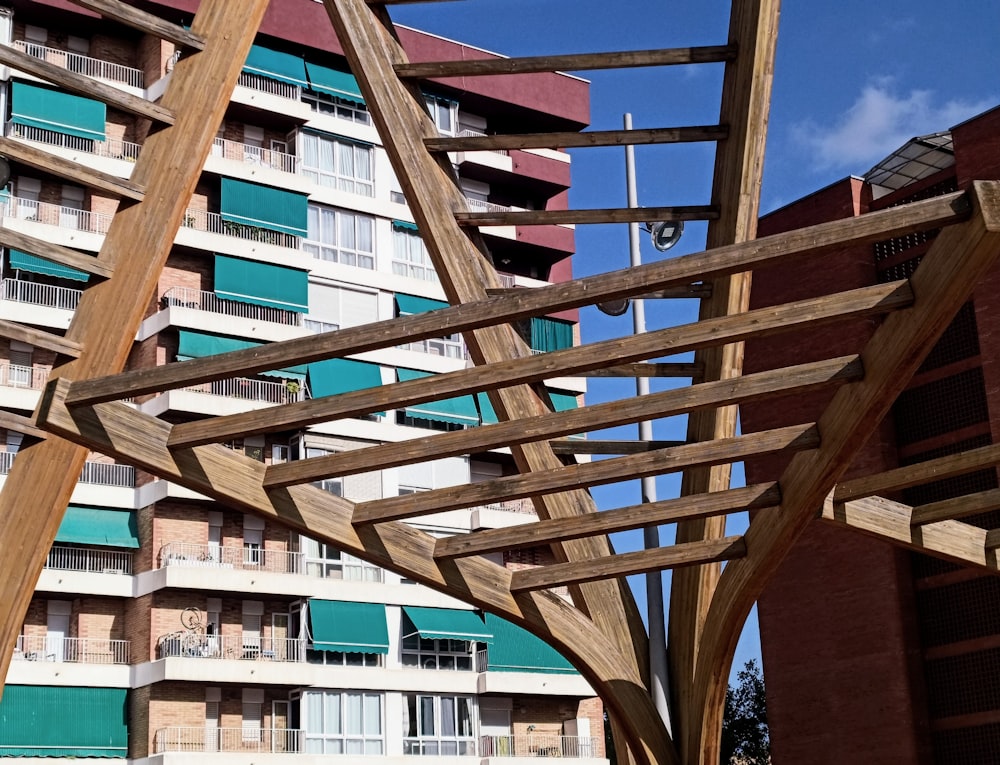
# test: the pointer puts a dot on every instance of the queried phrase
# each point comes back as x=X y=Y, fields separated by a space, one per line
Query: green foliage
x=745 y=738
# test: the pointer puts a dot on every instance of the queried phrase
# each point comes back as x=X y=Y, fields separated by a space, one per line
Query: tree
x=745 y=739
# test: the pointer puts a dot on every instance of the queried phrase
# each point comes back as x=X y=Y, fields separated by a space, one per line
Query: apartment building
x=167 y=628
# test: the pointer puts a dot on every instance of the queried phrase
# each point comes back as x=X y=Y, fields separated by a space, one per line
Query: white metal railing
x=468 y=133
x=271 y=87
x=253 y=647
x=85 y=65
x=70 y=558
x=429 y=747
x=33 y=293
x=245 y=739
x=538 y=745
x=108 y=474
x=507 y=281
x=482 y=660
x=6 y=460
x=200 y=220
x=200 y=300
x=436 y=346
x=82 y=650
x=113 y=147
x=255 y=155
x=510 y=506
x=247 y=389
x=480 y=205
x=18 y=376
x=253 y=558
x=56 y=215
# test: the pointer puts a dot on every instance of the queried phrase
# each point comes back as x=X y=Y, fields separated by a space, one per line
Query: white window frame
x=324 y=238
x=423 y=739
x=449 y=346
x=410 y=257
x=431 y=653
x=444 y=113
x=323 y=103
x=367 y=739
x=324 y=160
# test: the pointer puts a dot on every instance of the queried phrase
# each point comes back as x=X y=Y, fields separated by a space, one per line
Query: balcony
x=85 y=65
x=257 y=391
x=56 y=215
x=200 y=220
x=99 y=473
x=190 y=555
x=112 y=148
x=538 y=745
x=83 y=559
x=17 y=376
x=467 y=133
x=200 y=300
x=242 y=740
x=81 y=650
x=271 y=87
x=34 y=293
x=196 y=645
x=255 y=155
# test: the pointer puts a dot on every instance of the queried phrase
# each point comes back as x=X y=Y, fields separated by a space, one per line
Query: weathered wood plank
x=593 y=446
x=54 y=252
x=568 y=140
x=146 y=22
x=581 y=217
x=21 y=424
x=647 y=369
x=956 y=507
x=39 y=338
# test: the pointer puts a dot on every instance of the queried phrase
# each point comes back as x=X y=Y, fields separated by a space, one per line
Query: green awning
x=283 y=67
x=197 y=345
x=333 y=376
x=460 y=410
x=98 y=526
x=487 y=414
x=338 y=625
x=51 y=109
x=563 y=402
x=47 y=721
x=251 y=204
x=516 y=650
x=342 y=85
x=404 y=225
x=445 y=624
x=24 y=261
x=411 y=304
x=550 y=334
x=267 y=284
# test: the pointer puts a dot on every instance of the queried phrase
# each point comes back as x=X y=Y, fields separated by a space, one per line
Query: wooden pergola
x=600 y=631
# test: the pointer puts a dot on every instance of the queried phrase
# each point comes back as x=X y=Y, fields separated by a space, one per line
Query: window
x=253 y=702
x=437 y=654
x=253 y=541
x=409 y=256
x=438 y=725
x=337 y=163
x=442 y=113
x=332 y=307
x=327 y=562
x=340 y=236
x=343 y=722
x=337 y=107
x=344 y=659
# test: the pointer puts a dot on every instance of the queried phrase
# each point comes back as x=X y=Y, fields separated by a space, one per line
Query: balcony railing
x=56 y=215
x=246 y=389
x=18 y=376
x=255 y=155
x=272 y=87
x=200 y=300
x=200 y=220
x=82 y=650
x=430 y=747
x=113 y=147
x=69 y=558
x=85 y=65
x=194 y=645
x=108 y=474
x=480 y=205
x=33 y=293
x=534 y=745
x=467 y=133
x=510 y=506
x=190 y=555
x=205 y=739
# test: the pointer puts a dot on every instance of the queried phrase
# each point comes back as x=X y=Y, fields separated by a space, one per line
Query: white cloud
x=876 y=124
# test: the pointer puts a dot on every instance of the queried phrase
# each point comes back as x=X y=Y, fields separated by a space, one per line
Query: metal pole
x=651 y=534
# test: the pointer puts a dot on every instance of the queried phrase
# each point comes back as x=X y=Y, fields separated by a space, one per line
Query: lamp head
x=665 y=233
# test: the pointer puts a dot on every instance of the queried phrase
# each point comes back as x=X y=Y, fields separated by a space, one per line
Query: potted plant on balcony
x=292 y=389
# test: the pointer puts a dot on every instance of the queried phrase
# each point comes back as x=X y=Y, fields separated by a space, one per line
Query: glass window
x=442 y=113
x=437 y=654
x=438 y=725
x=340 y=236
x=327 y=562
x=343 y=722
x=337 y=163
x=409 y=256
x=336 y=107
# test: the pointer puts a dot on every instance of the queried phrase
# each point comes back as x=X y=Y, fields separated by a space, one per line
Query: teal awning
x=410 y=304
x=47 y=721
x=283 y=67
x=98 y=526
x=486 y=412
x=342 y=85
x=251 y=204
x=563 y=402
x=404 y=225
x=333 y=376
x=445 y=624
x=51 y=109
x=550 y=334
x=197 y=345
x=24 y=261
x=516 y=650
x=267 y=284
x=338 y=625
x=460 y=410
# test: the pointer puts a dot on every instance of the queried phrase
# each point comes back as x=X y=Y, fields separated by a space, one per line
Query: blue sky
x=854 y=79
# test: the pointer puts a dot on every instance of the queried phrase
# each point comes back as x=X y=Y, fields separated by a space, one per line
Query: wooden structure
x=600 y=631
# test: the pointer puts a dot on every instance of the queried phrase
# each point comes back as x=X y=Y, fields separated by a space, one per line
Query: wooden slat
x=992 y=539
x=72 y=171
x=956 y=507
x=937 y=469
x=647 y=369
x=686 y=292
x=54 y=252
x=797 y=437
x=757 y=497
x=592 y=446
x=918 y=216
x=626 y=564
x=39 y=338
x=146 y=22
x=21 y=424
x=581 y=217
x=85 y=86
x=568 y=140
x=707 y=54
x=545 y=426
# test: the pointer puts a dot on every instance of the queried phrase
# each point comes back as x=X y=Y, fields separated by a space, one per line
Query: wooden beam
x=592 y=446
x=54 y=252
x=917 y=216
x=956 y=507
x=938 y=469
x=568 y=361
x=39 y=338
x=85 y=86
x=647 y=369
x=554 y=424
x=685 y=292
x=26 y=154
x=597 y=473
x=570 y=140
x=992 y=540
x=146 y=22
x=579 y=217
x=708 y=54
x=626 y=564
x=757 y=497
x=21 y=424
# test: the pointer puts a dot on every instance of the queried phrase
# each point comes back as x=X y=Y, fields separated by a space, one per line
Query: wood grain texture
x=580 y=217
x=146 y=22
x=647 y=369
x=21 y=424
x=39 y=338
x=54 y=252
x=956 y=507
x=570 y=140
x=595 y=446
